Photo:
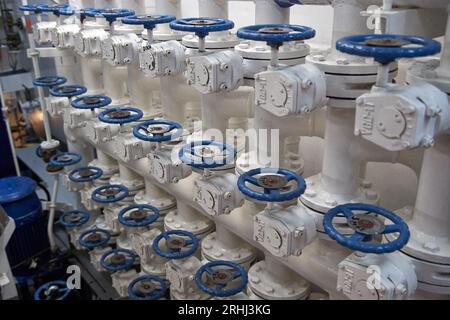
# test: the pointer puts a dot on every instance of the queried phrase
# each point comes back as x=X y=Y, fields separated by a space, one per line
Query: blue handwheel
x=121 y=115
x=91 y=102
x=68 y=91
x=158 y=130
x=366 y=226
x=65 y=159
x=85 y=174
x=54 y=290
x=202 y=26
x=179 y=244
x=136 y=216
x=274 y=182
x=30 y=8
x=74 y=219
x=149 y=21
x=87 y=12
x=385 y=48
x=94 y=238
x=112 y=15
x=54 y=8
x=49 y=81
x=275 y=34
x=219 y=275
x=118 y=260
x=287 y=3
x=110 y=193
x=147 y=288
x=207 y=154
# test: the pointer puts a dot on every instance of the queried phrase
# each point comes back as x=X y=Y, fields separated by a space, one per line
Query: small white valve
x=162 y=59
x=42 y=32
x=165 y=170
x=215 y=72
x=119 y=49
x=63 y=36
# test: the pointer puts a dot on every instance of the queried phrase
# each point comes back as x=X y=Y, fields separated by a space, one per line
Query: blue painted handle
x=49 y=81
x=68 y=91
x=287 y=3
x=126 y=264
x=271 y=194
x=149 y=21
x=30 y=8
x=143 y=130
x=219 y=290
x=360 y=241
x=74 y=219
x=191 y=244
x=152 y=214
x=287 y=32
x=202 y=26
x=187 y=155
x=61 y=291
x=122 y=193
x=96 y=173
x=88 y=12
x=158 y=286
x=65 y=159
x=358 y=45
x=91 y=102
x=135 y=115
x=112 y=15
x=103 y=240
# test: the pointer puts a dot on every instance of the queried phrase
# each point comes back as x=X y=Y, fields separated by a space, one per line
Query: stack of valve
x=171 y=209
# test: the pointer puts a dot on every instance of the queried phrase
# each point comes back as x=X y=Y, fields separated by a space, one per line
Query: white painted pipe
x=227 y=239
x=9 y=132
x=114 y=81
x=444 y=68
x=213 y=8
x=432 y=209
x=186 y=211
x=170 y=7
x=127 y=174
x=108 y=3
x=51 y=216
x=268 y=11
x=153 y=190
x=105 y=159
x=137 y=5
x=142 y=89
x=92 y=71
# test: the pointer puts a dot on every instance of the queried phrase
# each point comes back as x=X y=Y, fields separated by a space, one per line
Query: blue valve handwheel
x=217 y=280
x=30 y=8
x=112 y=15
x=87 y=12
x=74 y=219
x=94 y=238
x=85 y=174
x=91 y=102
x=54 y=8
x=68 y=91
x=118 y=260
x=179 y=244
x=275 y=34
x=158 y=130
x=202 y=26
x=110 y=193
x=49 y=81
x=136 y=216
x=386 y=48
x=287 y=3
x=147 y=288
x=207 y=154
x=366 y=226
x=54 y=290
x=65 y=159
x=121 y=115
x=149 y=21
x=272 y=181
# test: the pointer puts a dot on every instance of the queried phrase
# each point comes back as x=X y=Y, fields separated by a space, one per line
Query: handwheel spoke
x=391 y=228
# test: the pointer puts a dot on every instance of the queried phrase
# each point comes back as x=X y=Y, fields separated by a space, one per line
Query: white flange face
x=215 y=250
x=200 y=226
x=269 y=287
x=284 y=232
x=249 y=161
x=376 y=277
x=133 y=186
x=347 y=79
x=427 y=71
x=402 y=117
x=180 y=274
x=218 y=194
x=214 y=41
x=42 y=32
x=121 y=280
x=429 y=254
x=63 y=36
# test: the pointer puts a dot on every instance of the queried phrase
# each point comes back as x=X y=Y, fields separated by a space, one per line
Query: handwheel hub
x=272 y=181
x=276 y=30
x=386 y=42
x=366 y=224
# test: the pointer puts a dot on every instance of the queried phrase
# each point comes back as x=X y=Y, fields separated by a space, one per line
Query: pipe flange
x=163 y=204
x=214 y=250
x=108 y=170
x=249 y=161
x=428 y=71
x=212 y=42
x=133 y=185
x=201 y=226
x=266 y=285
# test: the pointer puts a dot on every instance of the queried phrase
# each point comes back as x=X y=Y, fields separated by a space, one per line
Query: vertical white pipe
x=444 y=68
x=340 y=170
x=432 y=209
x=51 y=216
x=127 y=174
x=9 y=132
x=114 y=80
x=137 y=5
x=153 y=190
x=170 y=7
x=227 y=238
x=91 y=69
x=142 y=89
x=213 y=8
x=108 y=3
x=105 y=159
x=268 y=11
x=187 y=211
